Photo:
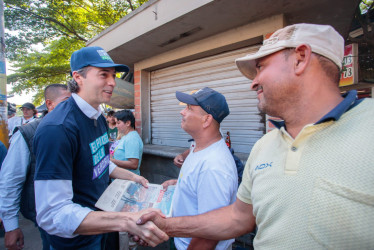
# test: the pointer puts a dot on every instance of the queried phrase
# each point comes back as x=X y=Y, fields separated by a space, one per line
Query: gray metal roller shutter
x=218 y=72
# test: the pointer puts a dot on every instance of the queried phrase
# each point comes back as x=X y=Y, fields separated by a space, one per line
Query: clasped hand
x=156 y=218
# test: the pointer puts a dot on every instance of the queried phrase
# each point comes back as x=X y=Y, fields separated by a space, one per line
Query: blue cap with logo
x=96 y=57
x=211 y=101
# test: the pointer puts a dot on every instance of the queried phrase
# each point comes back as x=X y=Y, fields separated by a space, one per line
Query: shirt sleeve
x=56 y=212
x=55 y=148
x=132 y=149
x=112 y=166
x=12 y=177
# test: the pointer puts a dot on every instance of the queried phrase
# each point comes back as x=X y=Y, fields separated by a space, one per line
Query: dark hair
x=72 y=84
x=110 y=113
x=126 y=115
x=52 y=91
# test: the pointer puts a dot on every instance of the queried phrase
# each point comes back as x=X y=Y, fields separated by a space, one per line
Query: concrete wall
x=245 y=35
x=146 y=18
x=158 y=169
x=229 y=40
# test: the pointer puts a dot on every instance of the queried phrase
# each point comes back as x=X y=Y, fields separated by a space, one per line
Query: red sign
x=349 y=72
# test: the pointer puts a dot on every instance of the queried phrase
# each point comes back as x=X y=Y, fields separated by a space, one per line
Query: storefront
x=245 y=123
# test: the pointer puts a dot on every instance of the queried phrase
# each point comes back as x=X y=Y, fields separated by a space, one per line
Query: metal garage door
x=220 y=73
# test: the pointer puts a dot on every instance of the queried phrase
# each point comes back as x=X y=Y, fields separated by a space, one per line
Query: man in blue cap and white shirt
x=73 y=165
x=208 y=178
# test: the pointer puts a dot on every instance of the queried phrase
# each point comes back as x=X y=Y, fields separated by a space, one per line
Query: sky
x=17 y=99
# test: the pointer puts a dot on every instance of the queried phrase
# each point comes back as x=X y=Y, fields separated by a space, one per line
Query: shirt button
x=294 y=149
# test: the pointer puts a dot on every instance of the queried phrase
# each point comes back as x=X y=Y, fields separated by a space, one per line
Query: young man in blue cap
x=73 y=168
x=208 y=177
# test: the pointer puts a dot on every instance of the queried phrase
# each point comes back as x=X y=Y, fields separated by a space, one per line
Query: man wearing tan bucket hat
x=309 y=183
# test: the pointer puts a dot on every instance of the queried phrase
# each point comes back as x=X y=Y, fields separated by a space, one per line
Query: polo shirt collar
x=350 y=101
x=86 y=108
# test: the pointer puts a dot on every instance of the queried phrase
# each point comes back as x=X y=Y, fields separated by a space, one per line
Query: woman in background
x=126 y=153
x=129 y=150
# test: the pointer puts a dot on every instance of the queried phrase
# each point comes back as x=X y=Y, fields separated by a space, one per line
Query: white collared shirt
x=86 y=108
x=16 y=122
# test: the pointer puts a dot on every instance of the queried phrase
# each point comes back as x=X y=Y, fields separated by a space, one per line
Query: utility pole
x=3 y=104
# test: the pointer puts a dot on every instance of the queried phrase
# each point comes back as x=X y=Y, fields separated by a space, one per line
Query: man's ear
x=303 y=54
x=207 y=120
x=49 y=104
x=77 y=77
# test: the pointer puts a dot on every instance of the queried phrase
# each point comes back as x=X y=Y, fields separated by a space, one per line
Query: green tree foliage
x=61 y=27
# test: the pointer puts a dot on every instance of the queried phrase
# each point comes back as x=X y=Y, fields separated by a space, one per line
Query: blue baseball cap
x=211 y=101
x=96 y=57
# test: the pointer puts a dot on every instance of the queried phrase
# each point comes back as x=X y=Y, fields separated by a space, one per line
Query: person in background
x=129 y=150
x=179 y=159
x=11 y=115
x=17 y=175
x=308 y=184
x=208 y=178
x=11 y=110
x=29 y=113
x=73 y=168
x=126 y=153
x=112 y=130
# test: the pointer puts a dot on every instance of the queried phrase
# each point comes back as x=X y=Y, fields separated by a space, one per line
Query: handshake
x=206 y=229
x=151 y=228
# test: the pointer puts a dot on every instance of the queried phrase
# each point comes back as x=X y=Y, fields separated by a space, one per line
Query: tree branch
x=48 y=19
x=130 y=3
